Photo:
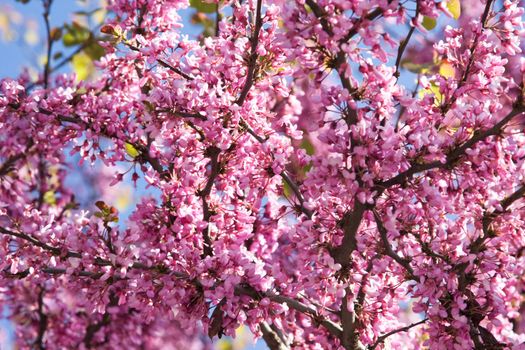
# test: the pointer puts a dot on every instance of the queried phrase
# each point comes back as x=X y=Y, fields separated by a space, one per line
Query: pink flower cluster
x=402 y=227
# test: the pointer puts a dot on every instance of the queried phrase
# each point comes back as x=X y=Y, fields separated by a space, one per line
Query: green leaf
x=446 y=69
x=83 y=66
x=94 y=50
x=131 y=150
x=307 y=145
x=415 y=67
x=50 y=198
x=287 y=190
x=434 y=90
x=75 y=34
x=202 y=6
x=454 y=7
x=429 y=23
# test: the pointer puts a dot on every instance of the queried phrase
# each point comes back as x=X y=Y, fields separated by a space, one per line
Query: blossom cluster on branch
x=300 y=188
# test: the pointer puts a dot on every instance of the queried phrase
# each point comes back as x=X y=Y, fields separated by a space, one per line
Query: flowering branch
x=93 y=328
x=252 y=59
x=383 y=337
x=454 y=155
x=160 y=61
x=211 y=125
x=388 y=247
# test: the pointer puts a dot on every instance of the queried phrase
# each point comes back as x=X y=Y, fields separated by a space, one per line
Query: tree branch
x=247 y=290
x=453 y=155
x=350 y=222
x=160 y=61
x=241 y=289
x=404 y=44
x=213 y=153
x=42 y=321
x=8 y=164
x=252 y=59
x=388 y=248
x=47 y=65
x=382 y=338
x=93 y=328
x=271 y=338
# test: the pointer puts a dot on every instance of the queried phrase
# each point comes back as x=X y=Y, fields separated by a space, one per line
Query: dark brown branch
x=271 y=338
x=477 y=245
x=297 y=192
x=162 y=62
x=252 y=59
x=32 y=240
x=471 y=60
x=66 y=253
x=368 y=17
x=241 y=289
x=213 y=153
x=332 y=327
x=350 y=320
x=217 y=18
x=486 y=13
x=9 y=163
x=93 y=328
x=252 y=65
x=143 y=157
x=42 y=321
x=453 y=155
x=507 y=202
x=321 y=16
x=388 y=248
x=284 y=175
x=350 y=223
x=47 y=66
x=382 y=338
x=403 y=46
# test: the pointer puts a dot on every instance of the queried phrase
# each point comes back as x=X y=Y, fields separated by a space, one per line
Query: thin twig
x=382 y=338
x=47 y=8
x=404 y=45
x=388 y=248
x=331 y=326
x=161 y=62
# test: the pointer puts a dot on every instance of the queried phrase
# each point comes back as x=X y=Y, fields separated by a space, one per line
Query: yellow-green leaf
x=75 y=34
x=94 y=50
x=287 y=190
x=307 y=145
x=433 y=89
x=49 y=197
x=454 y=7
x=202 y=6
x=446 y=69
x=131 y=150
x=415 y=67
x=83 y=66
x=429 y=23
